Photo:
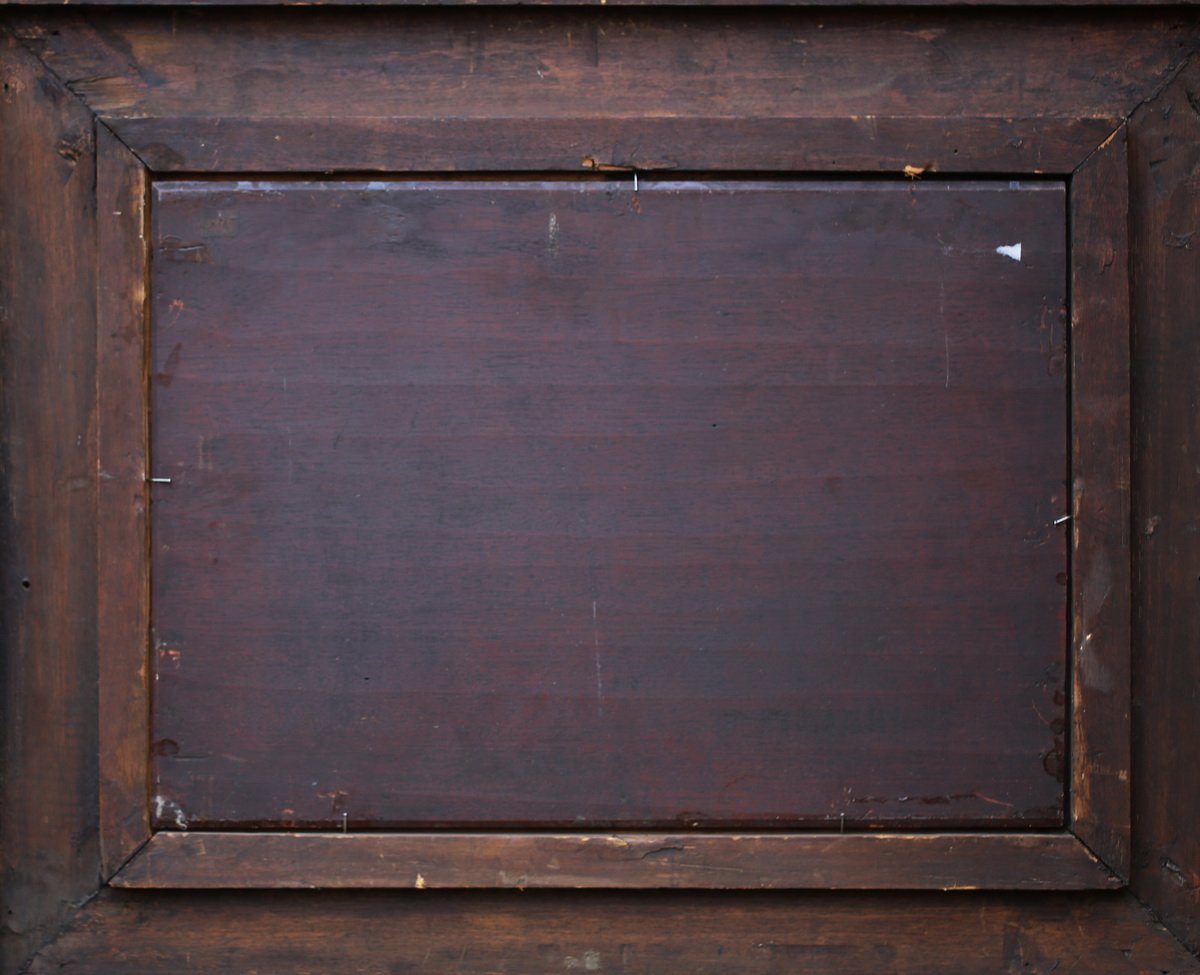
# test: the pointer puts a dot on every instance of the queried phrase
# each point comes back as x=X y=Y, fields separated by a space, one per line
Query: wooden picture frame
x=166 y=110
x=138 y=856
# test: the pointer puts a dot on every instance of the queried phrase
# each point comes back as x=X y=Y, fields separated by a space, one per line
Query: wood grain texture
x=1165 y=217
x=544 y=932
x=595 y=63
x=48 y=586
x=549 y=504
x=861 y=144
x=124 y=597
x=1100 y=559
x=842 y=861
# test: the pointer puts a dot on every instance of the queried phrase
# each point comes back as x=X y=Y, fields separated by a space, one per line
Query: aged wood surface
x=308 y=933
x=124 y=603
x=838 y=861
x=862 y=144
x=1100 y=560
x=1091 y=63
x=1165 y=217
x=556 y=504
x=595 y=63
x=47 y=527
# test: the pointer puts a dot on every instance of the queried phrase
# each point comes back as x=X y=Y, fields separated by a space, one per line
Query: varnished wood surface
x=629 y=933
x=838 y=861
x=47 y=521
x=1165 y=151
x=553 y=504
x=1100 y=556
x=617 y=64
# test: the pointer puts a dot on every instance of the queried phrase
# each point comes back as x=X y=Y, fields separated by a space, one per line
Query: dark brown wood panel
x=122 y=529
x=596 y=63
x=47 y=527
x=306 y=933
x=713 y=504
x=838 y=861
x=1165 y=216
x=1100 y=559
x=824 y=145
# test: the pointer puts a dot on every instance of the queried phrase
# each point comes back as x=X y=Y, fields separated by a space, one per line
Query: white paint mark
x=552 y=235
x=169 y=807
x=1010 y=250
x=590 y=962
x=599 y=674
x=420 y=882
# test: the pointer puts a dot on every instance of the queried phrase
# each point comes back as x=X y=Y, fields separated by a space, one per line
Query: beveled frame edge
x=1093 y=850
x=122 y=524
x=652 y=860
x=914 y=145
x=1101 y=556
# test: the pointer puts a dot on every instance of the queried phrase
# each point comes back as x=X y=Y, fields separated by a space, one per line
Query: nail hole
x=25 y=583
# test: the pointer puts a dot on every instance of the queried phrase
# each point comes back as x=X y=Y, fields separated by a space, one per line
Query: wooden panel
x=474 y=933
x=124 y=596
x=945 y=861
x=859 y=144
x=628 y=64
x=47 y=454
x=510 y=503
x=1166 y=269
x=1100 y=561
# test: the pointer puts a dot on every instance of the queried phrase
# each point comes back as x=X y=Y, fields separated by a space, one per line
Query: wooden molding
x=124 y=593
x=847 y=861
x=171 y=858
x=1100 y=557
x=862 y=144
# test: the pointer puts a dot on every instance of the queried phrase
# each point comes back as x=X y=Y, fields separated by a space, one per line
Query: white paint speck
x=1010 y=250
x=590 y=962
